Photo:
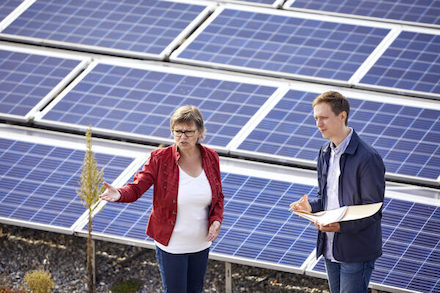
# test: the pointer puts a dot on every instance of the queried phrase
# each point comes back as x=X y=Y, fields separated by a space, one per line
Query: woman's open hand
x=111 y=194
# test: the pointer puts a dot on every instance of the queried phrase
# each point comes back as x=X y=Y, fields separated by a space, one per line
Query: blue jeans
x=349 y=277
x=182 y=273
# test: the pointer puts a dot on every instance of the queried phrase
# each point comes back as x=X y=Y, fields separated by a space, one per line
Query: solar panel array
x=241 y=37
x=138 y=102
x=253 y=71
x=316 y=48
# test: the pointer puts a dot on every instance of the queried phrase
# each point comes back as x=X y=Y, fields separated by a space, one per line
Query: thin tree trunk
x=90 y=258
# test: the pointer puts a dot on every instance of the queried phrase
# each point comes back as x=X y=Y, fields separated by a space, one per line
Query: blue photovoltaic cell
x=6 y=7
x=38 y=182
x=406 y=137
x=415 y=11
x=412 y=62
x=257 y=224
x=284 y=44
x=411 y=247
x=141 y=102
x=25 y=79
x=147 y=26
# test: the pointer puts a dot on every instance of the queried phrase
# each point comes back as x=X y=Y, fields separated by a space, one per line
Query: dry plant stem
x=91 y=179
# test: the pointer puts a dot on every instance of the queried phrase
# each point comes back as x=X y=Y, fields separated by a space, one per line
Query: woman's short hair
x=337 y=102
x=188 y=114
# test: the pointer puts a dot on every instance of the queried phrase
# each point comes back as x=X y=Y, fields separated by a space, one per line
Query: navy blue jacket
x=362 y=181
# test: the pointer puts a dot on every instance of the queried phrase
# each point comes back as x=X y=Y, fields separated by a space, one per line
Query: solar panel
x=27 y=79
x=275 y=3
x=427 y=12
x=257 y=224
x=411 y=63
x=38 y=181
x=405 y=136
x=411 y=249
x=145 y=28
x=280 y=43
x=139 y=101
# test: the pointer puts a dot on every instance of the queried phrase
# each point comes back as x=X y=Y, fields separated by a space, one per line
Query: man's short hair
x=337 y=102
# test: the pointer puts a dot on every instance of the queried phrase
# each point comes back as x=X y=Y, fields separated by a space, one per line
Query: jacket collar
x=176 y=154
x=351 y=148
x=353 y=144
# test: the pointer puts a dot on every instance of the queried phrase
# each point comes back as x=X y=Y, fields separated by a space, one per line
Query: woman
x=187 y=202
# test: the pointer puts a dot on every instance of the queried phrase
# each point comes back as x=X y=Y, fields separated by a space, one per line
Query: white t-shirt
x=193 y=200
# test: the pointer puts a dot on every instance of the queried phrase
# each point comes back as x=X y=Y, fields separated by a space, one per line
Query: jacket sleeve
x=216 y=213
x=142 y=181
x=370 y=178
x=317 y=203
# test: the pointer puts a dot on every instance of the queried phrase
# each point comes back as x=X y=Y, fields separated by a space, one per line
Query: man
x=350 y=172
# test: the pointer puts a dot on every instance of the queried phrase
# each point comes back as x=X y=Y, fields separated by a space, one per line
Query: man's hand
x=111 y=194
x=333 y=227
x=301 y=205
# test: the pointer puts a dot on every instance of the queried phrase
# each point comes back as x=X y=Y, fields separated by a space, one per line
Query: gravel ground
x=64 y=256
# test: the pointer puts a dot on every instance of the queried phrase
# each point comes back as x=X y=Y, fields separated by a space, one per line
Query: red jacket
x=162 y=171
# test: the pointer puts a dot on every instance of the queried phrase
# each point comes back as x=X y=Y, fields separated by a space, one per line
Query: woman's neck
x=191 y=162
x=190 y=153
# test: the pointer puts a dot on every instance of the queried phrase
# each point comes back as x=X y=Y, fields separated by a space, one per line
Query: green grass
x=128 y=286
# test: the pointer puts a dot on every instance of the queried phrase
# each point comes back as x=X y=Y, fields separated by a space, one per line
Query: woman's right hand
x=111 y=194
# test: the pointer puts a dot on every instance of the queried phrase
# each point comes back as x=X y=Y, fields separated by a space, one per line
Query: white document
x=346 y=213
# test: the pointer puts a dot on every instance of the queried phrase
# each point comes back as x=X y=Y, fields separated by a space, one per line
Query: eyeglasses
x=188 y=133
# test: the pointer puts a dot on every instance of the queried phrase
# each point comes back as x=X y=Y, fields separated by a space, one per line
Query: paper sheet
x=346 y=213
